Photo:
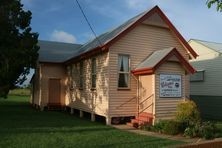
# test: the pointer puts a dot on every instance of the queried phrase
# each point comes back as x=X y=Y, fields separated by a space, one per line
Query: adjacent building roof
x=212 y=45
x=152 y=62
x=56 y=52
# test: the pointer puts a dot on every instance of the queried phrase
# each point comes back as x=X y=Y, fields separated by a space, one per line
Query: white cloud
x=62 y=36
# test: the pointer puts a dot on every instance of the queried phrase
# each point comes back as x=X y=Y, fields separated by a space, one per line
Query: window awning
x=151 y=63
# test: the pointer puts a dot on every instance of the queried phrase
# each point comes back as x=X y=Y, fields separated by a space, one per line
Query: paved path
x=142 y=132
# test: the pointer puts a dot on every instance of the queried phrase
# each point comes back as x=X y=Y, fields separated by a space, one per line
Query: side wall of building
x=165 y=108
x=207 y=94
x=87 y=99
x=209 y=106
x=212 y=83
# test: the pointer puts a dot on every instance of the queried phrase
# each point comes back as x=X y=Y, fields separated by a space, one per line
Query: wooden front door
x=54 y=91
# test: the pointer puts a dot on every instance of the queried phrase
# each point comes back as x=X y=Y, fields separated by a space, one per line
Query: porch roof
x=157 y=58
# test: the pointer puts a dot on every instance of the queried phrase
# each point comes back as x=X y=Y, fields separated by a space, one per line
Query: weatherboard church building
x=140 y=69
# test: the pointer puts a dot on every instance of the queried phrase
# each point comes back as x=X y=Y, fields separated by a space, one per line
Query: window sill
x=123 y=89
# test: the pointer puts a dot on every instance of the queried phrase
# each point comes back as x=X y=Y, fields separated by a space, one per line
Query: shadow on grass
x=23 y=126
x=18 y=114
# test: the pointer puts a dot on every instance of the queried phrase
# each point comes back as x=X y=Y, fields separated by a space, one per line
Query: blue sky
x=61 y=20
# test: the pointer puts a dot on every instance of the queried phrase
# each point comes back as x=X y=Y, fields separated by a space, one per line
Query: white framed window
x=123 y=71
x=198 y=76
x=93 y=72
x=81 y=73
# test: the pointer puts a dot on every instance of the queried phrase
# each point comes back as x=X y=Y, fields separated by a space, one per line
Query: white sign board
x=170 y=85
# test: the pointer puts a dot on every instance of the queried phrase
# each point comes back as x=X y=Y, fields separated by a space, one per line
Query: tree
x=217 y=2
x=18 y=45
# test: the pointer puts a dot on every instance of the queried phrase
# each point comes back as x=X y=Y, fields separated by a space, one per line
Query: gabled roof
x=212 y=45
x=110 y=37
x=56 y=52
x=151 y=63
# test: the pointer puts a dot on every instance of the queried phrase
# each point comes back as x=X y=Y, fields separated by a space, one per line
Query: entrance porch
x=161 y=85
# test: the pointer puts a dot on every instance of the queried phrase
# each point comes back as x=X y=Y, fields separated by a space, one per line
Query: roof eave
x=90 y=53
x=143 y=71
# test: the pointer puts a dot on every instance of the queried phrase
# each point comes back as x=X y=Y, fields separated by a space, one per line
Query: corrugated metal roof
x=107 y=36
x=57 y=52
x=154 y=58
x=213 y=45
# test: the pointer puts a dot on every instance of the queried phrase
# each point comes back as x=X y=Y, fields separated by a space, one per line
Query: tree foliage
x=18 y=45
x=217 y=2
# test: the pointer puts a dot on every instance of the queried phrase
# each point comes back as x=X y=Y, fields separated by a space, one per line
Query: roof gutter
x=87 y=54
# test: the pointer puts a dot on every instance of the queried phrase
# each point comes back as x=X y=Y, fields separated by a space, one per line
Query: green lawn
x=20 y=92
x=22 y=126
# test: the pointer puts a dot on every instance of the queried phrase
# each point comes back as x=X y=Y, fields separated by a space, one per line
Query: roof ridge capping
x=109 y=38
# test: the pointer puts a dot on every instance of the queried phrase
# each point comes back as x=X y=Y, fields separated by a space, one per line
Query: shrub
x=171 y=127
x=189 y=132
x=159 y=126
x=146 y=127
x=208 y=130
x=205 y=130
x=187 y=113
x=192 y=131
